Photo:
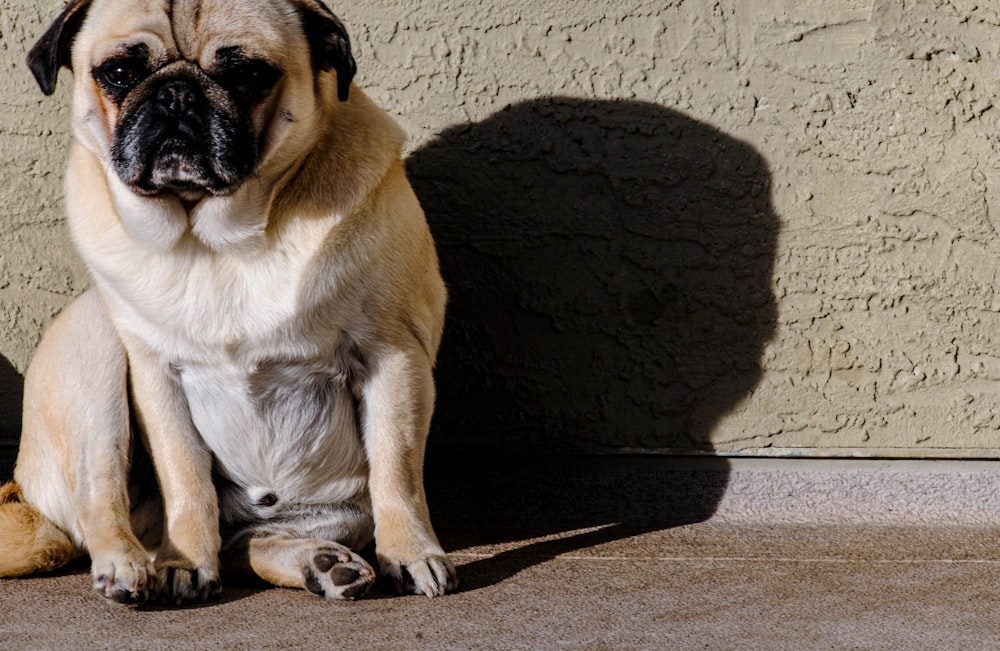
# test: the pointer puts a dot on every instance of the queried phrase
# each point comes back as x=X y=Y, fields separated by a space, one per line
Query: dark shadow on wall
x=609 y=268
x=11 y=395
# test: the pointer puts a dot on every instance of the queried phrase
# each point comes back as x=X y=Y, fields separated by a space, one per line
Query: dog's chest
x=192 y=304
x=227 y=306
x=261 y=348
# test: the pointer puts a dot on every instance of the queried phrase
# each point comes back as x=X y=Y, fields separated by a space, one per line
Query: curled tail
x=29 y=541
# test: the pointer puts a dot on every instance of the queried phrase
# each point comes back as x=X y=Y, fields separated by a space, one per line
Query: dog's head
x=191 y=98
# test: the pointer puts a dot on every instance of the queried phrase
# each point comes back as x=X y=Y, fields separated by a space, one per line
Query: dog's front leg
x=121 y=567
x=187 y=563
x=398 y=398
x=76 y=420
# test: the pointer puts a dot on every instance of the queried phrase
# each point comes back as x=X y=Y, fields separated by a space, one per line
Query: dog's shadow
x=11 y=392
x=609 y=268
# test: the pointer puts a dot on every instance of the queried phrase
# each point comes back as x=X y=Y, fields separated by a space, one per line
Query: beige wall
x=741 y=227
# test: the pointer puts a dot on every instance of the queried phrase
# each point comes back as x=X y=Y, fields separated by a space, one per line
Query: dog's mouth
x=186 y=147
x=176 y=168
x=180 y=167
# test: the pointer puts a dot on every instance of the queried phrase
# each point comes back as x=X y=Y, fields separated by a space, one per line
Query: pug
x=248 y=385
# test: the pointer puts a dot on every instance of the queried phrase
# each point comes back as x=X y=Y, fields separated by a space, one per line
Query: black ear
x=53 y=49
x=330 y=45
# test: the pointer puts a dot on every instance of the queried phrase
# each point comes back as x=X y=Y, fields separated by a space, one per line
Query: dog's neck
x=235 y=223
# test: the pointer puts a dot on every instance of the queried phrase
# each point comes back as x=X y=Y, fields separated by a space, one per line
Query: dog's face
x=191 y=98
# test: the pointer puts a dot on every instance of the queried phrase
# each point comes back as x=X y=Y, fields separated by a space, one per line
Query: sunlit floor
x=697 y=586
x=621 y=554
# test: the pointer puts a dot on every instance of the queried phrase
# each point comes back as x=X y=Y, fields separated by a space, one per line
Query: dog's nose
x=178 y=97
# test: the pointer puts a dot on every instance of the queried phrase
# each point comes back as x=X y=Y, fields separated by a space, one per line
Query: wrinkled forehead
x=190 y=29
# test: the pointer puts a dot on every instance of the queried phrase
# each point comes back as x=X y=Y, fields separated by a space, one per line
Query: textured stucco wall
x=742 y=227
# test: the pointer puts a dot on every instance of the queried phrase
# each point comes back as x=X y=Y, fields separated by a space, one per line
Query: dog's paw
x=336 y=572
x=432 y=575
x=127 y=577
x=179 y=584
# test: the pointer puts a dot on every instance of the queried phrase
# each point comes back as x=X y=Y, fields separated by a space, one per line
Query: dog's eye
x=251 y=78
x=118 y=76
x=121 y=76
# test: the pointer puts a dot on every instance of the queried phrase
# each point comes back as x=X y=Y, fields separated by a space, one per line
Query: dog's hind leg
x=309 y=549
x=322 y=567
x=29 y=541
